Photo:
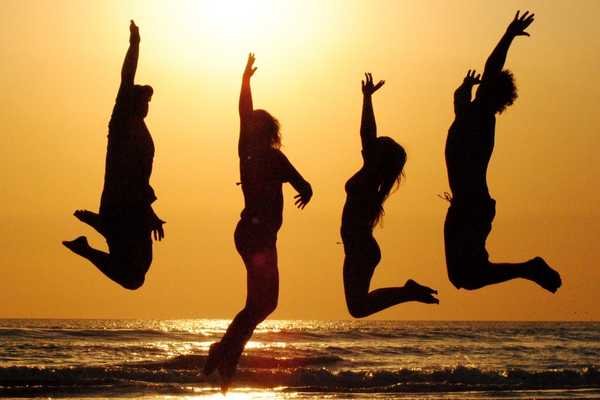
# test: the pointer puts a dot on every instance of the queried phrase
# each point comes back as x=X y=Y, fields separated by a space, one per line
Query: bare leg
x=468 y=261
x=362 y=302
x=92 y=219
x=100 y=259
x=129 y=275
x=263 y=290
x=535 y=270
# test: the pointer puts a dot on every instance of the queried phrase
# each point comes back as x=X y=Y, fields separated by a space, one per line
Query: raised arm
x=245 y=106
x=368 y=127
x=131 y=58
x=462 y=95
x=496 y=60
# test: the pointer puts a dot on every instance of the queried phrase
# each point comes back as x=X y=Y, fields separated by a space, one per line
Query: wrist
x=510 y=33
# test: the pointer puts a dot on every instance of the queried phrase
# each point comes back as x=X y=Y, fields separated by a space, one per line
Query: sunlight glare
x=234 y=22
x=221 y=33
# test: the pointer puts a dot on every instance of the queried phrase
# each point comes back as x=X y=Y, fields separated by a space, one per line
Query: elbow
x=307 y=188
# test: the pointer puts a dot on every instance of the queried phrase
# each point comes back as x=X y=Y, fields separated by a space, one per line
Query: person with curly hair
x=469 y=147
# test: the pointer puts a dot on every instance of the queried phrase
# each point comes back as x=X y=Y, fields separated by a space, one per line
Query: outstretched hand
x=134 y=33
x=156 y=227
x=472 y=79
x=158 y=231
x=519 y=24
x=303 y=197
x=250 y=69
x=367 y=85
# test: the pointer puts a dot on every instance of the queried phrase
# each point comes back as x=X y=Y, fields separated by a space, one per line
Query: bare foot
x=84 y=215
x=90 y=218
x=227 y=369
x=421 y=293
x=544 y=275
x=214 y=358
x=77 y=246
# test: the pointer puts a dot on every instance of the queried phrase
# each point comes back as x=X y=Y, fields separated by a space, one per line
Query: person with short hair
x=126 y=218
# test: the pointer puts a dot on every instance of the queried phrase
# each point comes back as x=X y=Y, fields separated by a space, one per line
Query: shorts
x=129 y=238
x=467 y=226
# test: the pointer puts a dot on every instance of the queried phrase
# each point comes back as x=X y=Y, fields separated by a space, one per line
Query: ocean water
x=302 y=360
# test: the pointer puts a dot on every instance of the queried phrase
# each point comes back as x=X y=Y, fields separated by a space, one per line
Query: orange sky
x=59 y=73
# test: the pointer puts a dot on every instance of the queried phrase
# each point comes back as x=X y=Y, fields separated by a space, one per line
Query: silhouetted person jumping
x=263 y=170
x=126 y=218
x=367 y=190
x=469 y=148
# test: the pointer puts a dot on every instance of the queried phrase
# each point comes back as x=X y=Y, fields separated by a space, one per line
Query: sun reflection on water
x=237 y=394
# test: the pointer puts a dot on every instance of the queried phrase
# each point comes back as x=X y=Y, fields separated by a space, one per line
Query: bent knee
x=358 y=312
x=133 y=283
x=357 y=308
x=259 y=312
x=267 y=309
x=470 y=279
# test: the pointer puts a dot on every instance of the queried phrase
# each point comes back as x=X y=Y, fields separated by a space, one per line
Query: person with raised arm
x=126 y=218
x=366 y=191
x=263 y=170
x=469 y=147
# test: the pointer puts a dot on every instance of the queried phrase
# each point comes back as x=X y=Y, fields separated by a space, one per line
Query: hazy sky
x=59 y=74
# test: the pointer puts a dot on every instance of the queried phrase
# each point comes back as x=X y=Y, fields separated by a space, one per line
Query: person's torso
x=362 y=205
x=262 y=177
x=129 y=159
x=469 y=147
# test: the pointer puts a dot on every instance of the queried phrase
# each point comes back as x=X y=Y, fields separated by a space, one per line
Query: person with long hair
x=263 y=170
x=366 y=191
x=126 y=218
x=469 y=147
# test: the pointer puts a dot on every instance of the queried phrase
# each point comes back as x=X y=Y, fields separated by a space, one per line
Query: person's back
x=469 y=147
x=129 y=152
x=262 y=175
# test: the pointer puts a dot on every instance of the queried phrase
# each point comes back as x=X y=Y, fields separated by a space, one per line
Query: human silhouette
x=469 y=148
x=263 y=170
x=126 y=218
x=366 y=191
